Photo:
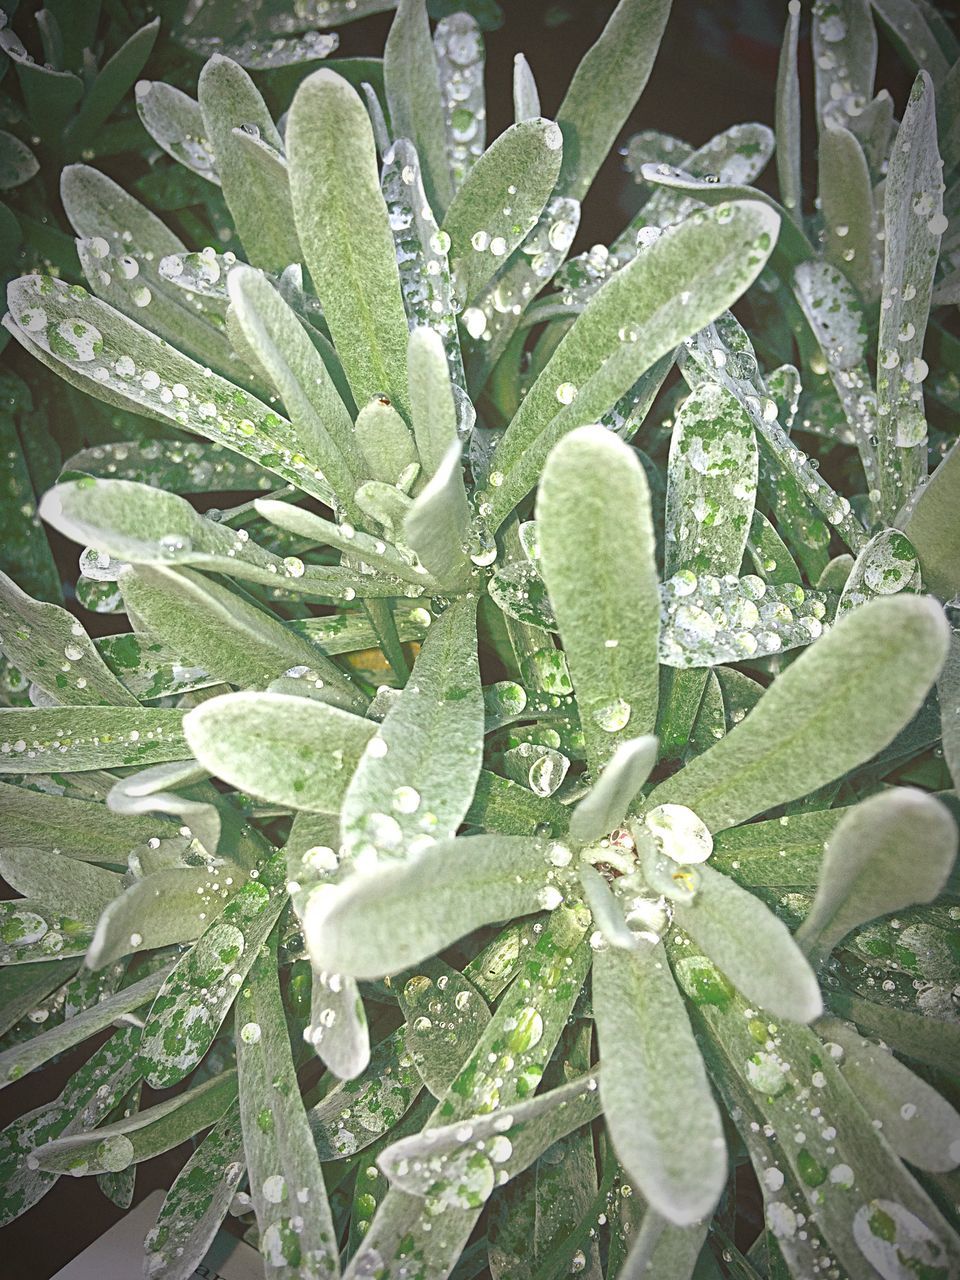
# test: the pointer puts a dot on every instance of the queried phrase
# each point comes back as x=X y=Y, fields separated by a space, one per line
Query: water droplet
x=566 y=393
x=250 y=1033
x=679 y=833
x=614 y=716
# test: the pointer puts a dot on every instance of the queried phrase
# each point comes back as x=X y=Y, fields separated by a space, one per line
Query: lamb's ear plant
x=524 y=808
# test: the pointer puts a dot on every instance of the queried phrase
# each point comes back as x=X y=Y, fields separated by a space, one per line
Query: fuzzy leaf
x=378 y=923
x=664 y=1124
x=828 y=700
x=526 y=99
x=525 y=159
x=113 y=81
x=593 y=505
x=929 y=522
x=291 y=751
x=610 y=78
x=385 y=441
x=174 y=904
x=68 y=885
x=712 y=257
x=606 y=803
x=412 y=81
x=339 y=209
x=437 y=525
x=68 y=739
x=788 y=117
x=418 y=773
x=78 y=828
x=432 y=407
x=352 y=1116
x=175 y=122
x=463 y=1011
x=889 y=852
x=847 y=202
x=286 y=1181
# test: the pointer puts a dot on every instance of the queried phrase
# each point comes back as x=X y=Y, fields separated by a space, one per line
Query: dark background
x=717 y=66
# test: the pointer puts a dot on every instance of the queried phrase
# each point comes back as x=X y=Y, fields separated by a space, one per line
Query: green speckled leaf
x=80 y=738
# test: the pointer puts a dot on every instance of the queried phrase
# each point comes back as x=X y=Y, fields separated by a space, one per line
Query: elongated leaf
x=339 y=210
x=432 y=405
x=910 y=25
x=352 y=1116
x=113 y=81
x=99 y=350
x=711 y=484
x=22 y=1058
x=385 y=441
x=50 y=647
x=526 y=99
x=712 y=257
x=846 y=199
x=178 y=1032
x=782 y=851
x=291 y=751
x=78 y=828
x=750 y=945
x=606 y=804
x=175 y=122
x=914 y=222
x=518 y=172
x=437 y=991
x=197 y=1202
x=919 y=1124
x=258 y=202
x=828 y=700
x=607 y=83
x=301 y=378
x=173 y=904
x=892 y=851
x=436 y=527
x=417 y=775
x=412 y=81
x=191 y=468
x=286 y=1181
x=380 y=922
x=67 y=885
x=144 y=1134
x=458 y=41
x=593 y=504
x=788 y=116
x=98 y=206
x=844 y=41
x=64 y=740
x=928 y=522
x=664 y=1124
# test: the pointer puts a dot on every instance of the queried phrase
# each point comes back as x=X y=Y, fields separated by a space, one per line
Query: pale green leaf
x=437 y=525
x=258 y=200
x=355 y=1114
x=150 y=791
x=526 y=99
x=173 y=904
x=438 y=992
x=418 y=773
x=458 y=42
x=821 y=717
x=788 y=117
x=78 y=828
x=712 y=257
x=597 y=541
x=929 y=521
x=605 y=805
x=411 y=78
x=432 y=408
x=846 y=199
x=345 y=232
x=948 y=690
x=891 y=851
x=63 y=884
x=175 y=122
x=610 y=78
x=69 y=739
x=662 y=1118
x=518 y=171
x=98 y=206
x=380 y=922
x=286 y=1181
x=844 y=41
x=385 y=441
x=295 y=752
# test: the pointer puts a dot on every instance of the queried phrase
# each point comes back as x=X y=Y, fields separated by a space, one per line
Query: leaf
x=49 y=95
x=17 y=1061
x=178 y=1032
x=286 y=1180
x=606 y=803
x=607 y=83
x=98 y=206
x=711 y=484
x=458 y=43
x=948 y=691
x=664 y=1124
x=27 y=553
x=438 y=992
x=379 y=922
x=908 y=23
x=755 y=949
x=192 y=468
x=928 y=522
x=197 y=1202
x=769 y=552
x=338 y=208
x=417 y=775
x=287 y=354
x=43 y=639
x=24 y=987
x=18 y=164
x=784 y=851
x=259 y=203
x=867 y=871
x=78 y=828
x=352 y=1116
x=411 y=78
x=525 y=157
x=432 y=407
x=141 y=1136
x=921 y=1126
x=930 y=1040
x=112 y=83
x=828 y=700
x=437 y=526
x=844 y=41
x=846 y=199
x=63 y=884
x=594 y=501
x=77 y=335
x=69 y=739
x=290 y=751
x=174 y=904
x=914 y=222
x=175 y=122
x=713 y=256
x=385 y=441
x=526 y=99
x=885 y=566
x=788 y=117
